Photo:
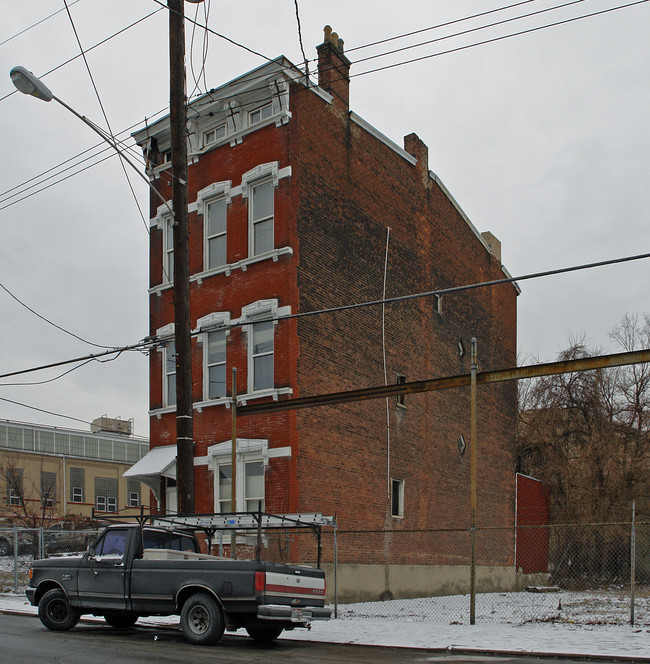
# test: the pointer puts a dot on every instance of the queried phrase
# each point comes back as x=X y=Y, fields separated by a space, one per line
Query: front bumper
x=30 y=592
x=293 y=614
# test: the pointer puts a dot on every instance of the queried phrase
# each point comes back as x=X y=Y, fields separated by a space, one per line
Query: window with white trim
x=397 y=498
x=215 y=364
x=106 y=494
x=169 y=373
x=260 y=364
x=261 y=113
x=250 y=465
x=168 y=249
x=215 y=233
x=133 y=492
x=261 y=218
x=214 y=134
x=14 y=486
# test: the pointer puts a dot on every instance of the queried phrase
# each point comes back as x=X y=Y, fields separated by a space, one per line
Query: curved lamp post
x=25 y=82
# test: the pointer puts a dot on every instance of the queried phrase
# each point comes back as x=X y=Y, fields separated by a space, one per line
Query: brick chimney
x=334 y=68
x=415 y=146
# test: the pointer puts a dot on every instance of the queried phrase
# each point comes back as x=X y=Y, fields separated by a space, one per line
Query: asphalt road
x=23 y=639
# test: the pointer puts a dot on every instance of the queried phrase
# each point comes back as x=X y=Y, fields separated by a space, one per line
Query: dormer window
x=214 y=134
x=261 y=113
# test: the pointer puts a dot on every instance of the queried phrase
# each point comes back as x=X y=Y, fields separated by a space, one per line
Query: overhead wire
x=42 y=410
x=152 y=342
x=101 y=105
x=22 y=32
x=451 y=50
x=500 y=38
x=91 y=48
x=48 y=321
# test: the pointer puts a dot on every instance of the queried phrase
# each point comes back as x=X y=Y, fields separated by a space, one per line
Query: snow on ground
x=580 y=627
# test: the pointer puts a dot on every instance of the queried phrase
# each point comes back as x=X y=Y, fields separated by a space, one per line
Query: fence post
x=336 y=563
x=15 y=559
x=632 y=562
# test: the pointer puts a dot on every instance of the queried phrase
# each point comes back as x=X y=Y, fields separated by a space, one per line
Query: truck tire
x=5 y=549
x=202 y=621
x=55 y=611
x=121 y=620
x=264 y=633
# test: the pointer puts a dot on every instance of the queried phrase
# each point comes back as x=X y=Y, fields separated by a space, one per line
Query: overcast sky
x=542 y=138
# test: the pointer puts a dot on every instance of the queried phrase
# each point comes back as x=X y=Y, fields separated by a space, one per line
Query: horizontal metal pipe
x=482 y=378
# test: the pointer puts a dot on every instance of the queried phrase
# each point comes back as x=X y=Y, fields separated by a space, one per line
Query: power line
x=147 y=343
x=48 y=321
x=101 y=105
x=452 y=289
x=470 y=30
x=501 y=38
x=439 y=25
x=41 y=410
x=58 y=11
x=88 y=50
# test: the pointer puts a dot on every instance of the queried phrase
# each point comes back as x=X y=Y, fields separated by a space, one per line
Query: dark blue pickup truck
x=134 y=570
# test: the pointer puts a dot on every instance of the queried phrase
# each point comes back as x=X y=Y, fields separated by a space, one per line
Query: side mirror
x=90 y=552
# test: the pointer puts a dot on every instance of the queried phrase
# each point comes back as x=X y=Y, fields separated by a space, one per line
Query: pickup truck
x=135 y=570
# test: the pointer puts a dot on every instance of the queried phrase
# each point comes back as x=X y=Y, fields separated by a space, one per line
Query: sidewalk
x=592 y=641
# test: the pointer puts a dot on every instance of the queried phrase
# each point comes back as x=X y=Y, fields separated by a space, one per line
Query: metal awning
x=156 y=463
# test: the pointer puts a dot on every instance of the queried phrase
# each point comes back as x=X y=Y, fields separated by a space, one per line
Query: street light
x=25 y=82
x=28 y=84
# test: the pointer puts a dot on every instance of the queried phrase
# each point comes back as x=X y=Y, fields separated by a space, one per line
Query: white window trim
x=162 y=221
x=256 y=312
x=248 y=449
x=219 y=320
x=208 y=195
x=242 y=190
x=261 y=174
x=165 y=333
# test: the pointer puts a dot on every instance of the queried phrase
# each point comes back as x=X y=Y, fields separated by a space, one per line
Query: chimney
x=493 y=243
x=415 y=146
x=334 y=68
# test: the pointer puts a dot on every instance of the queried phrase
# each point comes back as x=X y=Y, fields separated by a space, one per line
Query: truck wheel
x=121 y=620
x=5 y=549
x=264 y=633
x=55 y=611
x=202 y=622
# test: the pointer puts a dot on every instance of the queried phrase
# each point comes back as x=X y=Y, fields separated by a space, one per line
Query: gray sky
x=542 y=138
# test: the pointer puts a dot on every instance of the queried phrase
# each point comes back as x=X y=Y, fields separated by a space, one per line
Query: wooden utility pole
x=178 y=128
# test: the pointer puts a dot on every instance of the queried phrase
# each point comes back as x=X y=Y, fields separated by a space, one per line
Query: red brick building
x=291 y=198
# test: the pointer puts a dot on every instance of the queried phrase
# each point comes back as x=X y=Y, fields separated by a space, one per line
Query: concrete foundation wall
x=371 y=583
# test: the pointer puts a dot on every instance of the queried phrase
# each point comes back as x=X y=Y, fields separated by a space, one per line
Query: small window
x=134 y=499
x=261 y=356
x=169 y=379
x=261 y=218
x=400 y=398
x=437 y=304
x=77 y=494
x=216 y=364
x=397 y=498
x=213 y=135
x=215 y=233
x=259 y=114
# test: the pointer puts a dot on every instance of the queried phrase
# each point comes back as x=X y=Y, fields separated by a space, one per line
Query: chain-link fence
x=575 y=573
x=19 y=546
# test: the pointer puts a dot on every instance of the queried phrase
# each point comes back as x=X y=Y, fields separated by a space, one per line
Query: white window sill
x=227 y=269
x=162 y=411
x=242 y=264
x=242 y=399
